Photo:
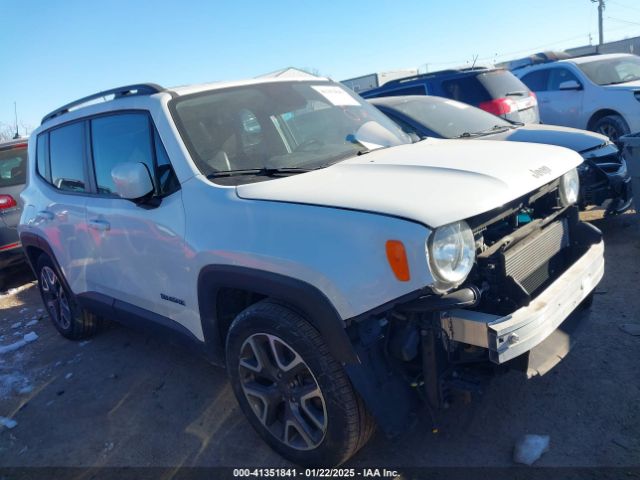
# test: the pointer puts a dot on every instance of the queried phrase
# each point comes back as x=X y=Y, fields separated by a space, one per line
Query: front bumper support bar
x=514 y=334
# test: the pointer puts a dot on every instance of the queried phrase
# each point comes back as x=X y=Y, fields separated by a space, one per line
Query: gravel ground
x=127 y=399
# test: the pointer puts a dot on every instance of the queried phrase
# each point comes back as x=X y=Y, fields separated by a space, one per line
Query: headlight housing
x=569 y=187
x=451 y=252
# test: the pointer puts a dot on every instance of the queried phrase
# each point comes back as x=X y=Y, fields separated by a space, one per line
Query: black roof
x=450 y=71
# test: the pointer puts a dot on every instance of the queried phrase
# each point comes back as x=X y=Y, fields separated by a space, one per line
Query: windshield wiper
x=488 y=131
x=263 y=172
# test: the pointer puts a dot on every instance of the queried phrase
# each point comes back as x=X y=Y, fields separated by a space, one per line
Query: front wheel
x=69 y=319
x=294 y=393
x=613 y=126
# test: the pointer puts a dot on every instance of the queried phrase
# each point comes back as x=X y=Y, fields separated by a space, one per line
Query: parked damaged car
x=290 y=232
x=13 y=176
x=604 y=178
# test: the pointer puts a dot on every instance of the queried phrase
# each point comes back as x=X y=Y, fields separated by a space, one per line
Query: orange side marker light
x=397 y=258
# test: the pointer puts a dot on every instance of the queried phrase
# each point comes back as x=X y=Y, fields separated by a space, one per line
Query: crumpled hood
x=433 y=182
x=577 y=140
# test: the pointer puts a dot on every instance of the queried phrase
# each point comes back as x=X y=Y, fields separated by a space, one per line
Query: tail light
x=534 y=98
x=499 y=106
x=6 y=202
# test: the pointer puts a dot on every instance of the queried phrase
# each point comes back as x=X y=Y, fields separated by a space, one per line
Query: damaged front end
x=536 y=263
x=604 y=178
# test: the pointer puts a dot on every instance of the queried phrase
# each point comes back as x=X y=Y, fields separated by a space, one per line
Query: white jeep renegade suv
x=291 y=233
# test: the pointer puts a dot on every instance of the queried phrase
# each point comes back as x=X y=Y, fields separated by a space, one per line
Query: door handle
x=44 y=215
x=100 y=225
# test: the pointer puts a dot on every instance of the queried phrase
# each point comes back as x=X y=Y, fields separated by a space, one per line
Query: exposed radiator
x=528 y=262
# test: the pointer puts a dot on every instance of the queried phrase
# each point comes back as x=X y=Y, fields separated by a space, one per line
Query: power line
x=624 y=6
x=623 y=21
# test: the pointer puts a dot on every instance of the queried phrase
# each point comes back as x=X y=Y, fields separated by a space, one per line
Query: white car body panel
x=415 y=181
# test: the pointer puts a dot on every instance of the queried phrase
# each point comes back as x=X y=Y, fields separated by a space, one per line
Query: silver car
x=598 y=92
x=13 y=175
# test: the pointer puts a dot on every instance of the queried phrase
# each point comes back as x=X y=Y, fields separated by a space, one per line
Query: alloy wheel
x=55 y=298
x=609 y=130
x=282 y=391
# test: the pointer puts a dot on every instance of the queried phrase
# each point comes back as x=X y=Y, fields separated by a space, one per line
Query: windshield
x=13 y=167
x=611 y=71
x=281 y=125
x=448 y=118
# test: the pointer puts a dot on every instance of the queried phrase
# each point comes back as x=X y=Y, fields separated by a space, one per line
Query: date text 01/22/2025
x=315 y=472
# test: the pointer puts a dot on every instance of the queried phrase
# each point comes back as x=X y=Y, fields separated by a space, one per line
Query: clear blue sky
x=60 y=50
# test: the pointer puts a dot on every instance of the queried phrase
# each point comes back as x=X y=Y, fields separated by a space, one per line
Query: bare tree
x=7 y=132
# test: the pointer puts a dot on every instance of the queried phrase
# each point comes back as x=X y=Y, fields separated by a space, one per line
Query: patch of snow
x=31 y=323
x=28 y=338
x=68 y=376
x=16 y=325
x=7 y=422
x=530 y=448
x=14 y=382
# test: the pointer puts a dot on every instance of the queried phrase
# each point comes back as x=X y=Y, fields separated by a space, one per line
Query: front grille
x=528 y=261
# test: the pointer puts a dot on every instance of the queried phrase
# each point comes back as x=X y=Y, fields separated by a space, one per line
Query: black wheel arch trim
x=29 y=240
x=296 y=294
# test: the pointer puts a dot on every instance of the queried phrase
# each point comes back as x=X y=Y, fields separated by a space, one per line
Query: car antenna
x=15 y=112
x=475 y=59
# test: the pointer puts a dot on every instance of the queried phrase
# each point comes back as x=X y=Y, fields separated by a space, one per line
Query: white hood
x=434 y=182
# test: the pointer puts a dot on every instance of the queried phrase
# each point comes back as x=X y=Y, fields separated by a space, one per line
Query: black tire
x=70 y=320
x=347 y=425
x=613 y=126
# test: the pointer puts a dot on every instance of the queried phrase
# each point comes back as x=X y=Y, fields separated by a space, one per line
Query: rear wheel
x=69 y=319
x=294 y=393
x=613 y=126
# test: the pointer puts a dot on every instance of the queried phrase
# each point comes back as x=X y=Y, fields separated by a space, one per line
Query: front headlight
x=569 y=187
x=451 y=252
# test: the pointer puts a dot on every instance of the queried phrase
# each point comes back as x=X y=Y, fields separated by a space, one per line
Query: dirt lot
x=127 y=399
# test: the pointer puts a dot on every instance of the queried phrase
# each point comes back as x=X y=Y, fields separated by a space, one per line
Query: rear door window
x=66 y=152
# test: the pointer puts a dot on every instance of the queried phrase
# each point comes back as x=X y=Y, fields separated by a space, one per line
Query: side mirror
x=132 y=180
x=570 y=85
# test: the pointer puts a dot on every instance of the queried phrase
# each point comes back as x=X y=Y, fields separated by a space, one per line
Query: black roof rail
x=449 y=71
x=125 y=91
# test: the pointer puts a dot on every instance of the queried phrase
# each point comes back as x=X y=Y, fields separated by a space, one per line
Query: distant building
x=628 y=45
x=373 y=80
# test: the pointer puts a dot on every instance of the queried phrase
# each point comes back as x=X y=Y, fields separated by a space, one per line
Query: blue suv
x=497 y=91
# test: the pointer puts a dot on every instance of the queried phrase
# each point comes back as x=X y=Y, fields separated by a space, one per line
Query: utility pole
x=600 y=14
